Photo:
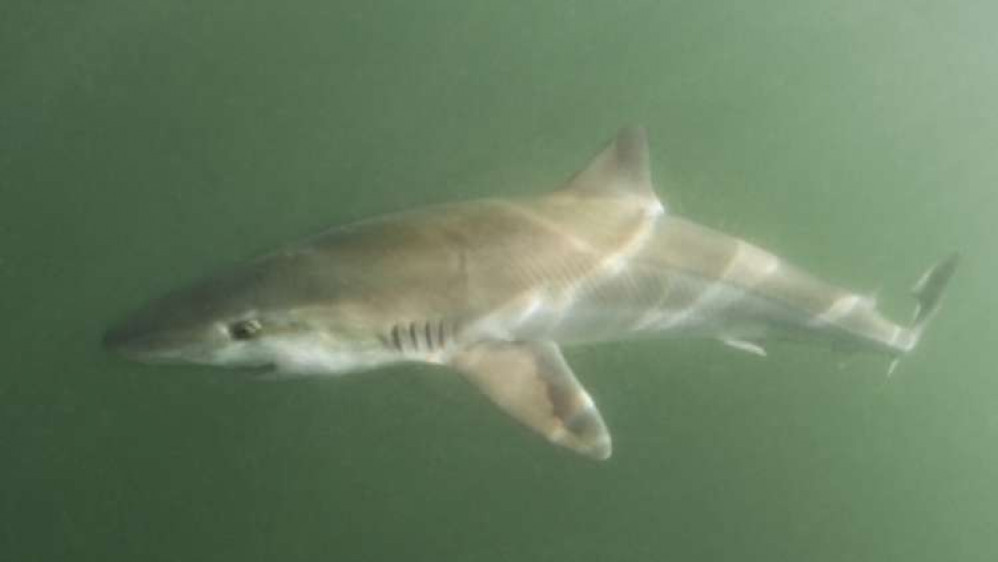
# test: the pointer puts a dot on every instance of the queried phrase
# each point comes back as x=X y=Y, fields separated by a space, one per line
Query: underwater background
x=146 y=142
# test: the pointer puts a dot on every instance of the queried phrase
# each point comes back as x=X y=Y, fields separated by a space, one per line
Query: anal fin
x=533 y=383
x=744 y=345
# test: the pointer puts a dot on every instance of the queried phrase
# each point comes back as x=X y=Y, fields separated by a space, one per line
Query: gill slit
x=396 y=339
x=413 y=336
x=431 y=335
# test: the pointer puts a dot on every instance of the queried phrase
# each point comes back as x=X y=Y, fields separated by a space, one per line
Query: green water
x=143 y=142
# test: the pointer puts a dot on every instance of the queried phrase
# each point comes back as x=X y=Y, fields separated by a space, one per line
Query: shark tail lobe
x=928 y=292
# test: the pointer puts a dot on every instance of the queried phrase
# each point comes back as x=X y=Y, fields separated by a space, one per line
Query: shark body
x=493 y=289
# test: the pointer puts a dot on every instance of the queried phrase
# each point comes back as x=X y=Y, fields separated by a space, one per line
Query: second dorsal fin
x=620 y=169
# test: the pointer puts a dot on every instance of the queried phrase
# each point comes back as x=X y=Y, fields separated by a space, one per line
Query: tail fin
x=928 y=292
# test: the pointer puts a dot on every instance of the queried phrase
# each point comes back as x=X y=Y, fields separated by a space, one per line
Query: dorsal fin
x=622 y=168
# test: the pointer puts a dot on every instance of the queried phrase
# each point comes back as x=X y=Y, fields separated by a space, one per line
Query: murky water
x=145 y=142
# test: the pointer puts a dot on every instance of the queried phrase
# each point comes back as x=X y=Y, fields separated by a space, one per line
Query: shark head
x=279 y=311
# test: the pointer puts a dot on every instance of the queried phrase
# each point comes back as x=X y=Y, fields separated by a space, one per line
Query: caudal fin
x=928 y=292
x=929 y=289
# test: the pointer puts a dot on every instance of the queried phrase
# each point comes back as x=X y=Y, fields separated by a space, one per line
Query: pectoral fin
x=533 y=383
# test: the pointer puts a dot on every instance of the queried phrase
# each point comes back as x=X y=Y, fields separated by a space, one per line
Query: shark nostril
x=110 y=339
x=116 y=337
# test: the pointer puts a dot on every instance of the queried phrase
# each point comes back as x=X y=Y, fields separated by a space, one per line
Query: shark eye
x=244 y=329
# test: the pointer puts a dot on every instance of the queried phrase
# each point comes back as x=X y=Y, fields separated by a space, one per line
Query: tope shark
x=493 y=289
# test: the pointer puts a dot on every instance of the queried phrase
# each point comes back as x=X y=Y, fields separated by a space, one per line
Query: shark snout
x=132 y=340
x=147 y=337
x=122 y=338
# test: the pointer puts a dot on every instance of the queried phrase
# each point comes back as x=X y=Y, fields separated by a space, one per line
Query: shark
x=493 y=289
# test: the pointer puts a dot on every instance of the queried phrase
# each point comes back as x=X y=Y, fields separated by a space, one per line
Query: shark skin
x=493 y=288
